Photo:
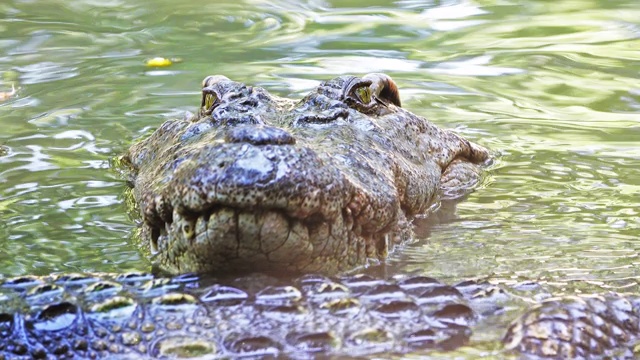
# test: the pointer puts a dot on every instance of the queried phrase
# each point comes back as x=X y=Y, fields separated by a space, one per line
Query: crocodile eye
x=208 y=101
x=211 y=85
x=371 y=91
x=384 y=88
x=363 y=94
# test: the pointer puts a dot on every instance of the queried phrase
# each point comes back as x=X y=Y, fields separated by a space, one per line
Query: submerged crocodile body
x=254 y=182
x=137 y=316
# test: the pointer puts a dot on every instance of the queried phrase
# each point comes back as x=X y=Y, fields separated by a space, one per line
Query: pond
x=551 y=87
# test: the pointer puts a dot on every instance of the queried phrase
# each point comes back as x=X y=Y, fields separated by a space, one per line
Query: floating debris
x=4 y=95
x=162 y=62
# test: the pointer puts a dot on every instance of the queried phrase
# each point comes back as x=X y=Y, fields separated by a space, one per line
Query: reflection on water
x=549 y=86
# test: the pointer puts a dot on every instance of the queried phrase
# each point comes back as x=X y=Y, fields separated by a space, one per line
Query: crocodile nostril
x=259 y=135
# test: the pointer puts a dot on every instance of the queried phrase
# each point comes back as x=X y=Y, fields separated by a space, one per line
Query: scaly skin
x=137 y=316
x=256 y=182
x=587 y=327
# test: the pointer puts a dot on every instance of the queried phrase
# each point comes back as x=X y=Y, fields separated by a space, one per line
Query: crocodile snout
x=259 y=135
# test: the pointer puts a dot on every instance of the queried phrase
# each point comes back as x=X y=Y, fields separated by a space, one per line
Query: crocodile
x=316 y=188
x=256 y=182
x=139 y=316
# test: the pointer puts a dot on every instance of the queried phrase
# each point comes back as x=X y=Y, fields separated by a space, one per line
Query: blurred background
x=550 y=86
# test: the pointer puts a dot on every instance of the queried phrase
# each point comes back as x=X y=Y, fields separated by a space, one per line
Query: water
x=551 y=87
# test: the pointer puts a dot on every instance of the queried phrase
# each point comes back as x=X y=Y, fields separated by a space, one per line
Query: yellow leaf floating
x=159 y=62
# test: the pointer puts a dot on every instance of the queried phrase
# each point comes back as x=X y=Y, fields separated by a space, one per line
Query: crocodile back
x=139 y=316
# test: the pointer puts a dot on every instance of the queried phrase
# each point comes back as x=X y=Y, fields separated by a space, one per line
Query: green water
x=552 y=87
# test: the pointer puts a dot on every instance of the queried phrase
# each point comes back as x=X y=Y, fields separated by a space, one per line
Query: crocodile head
x=256 y=182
